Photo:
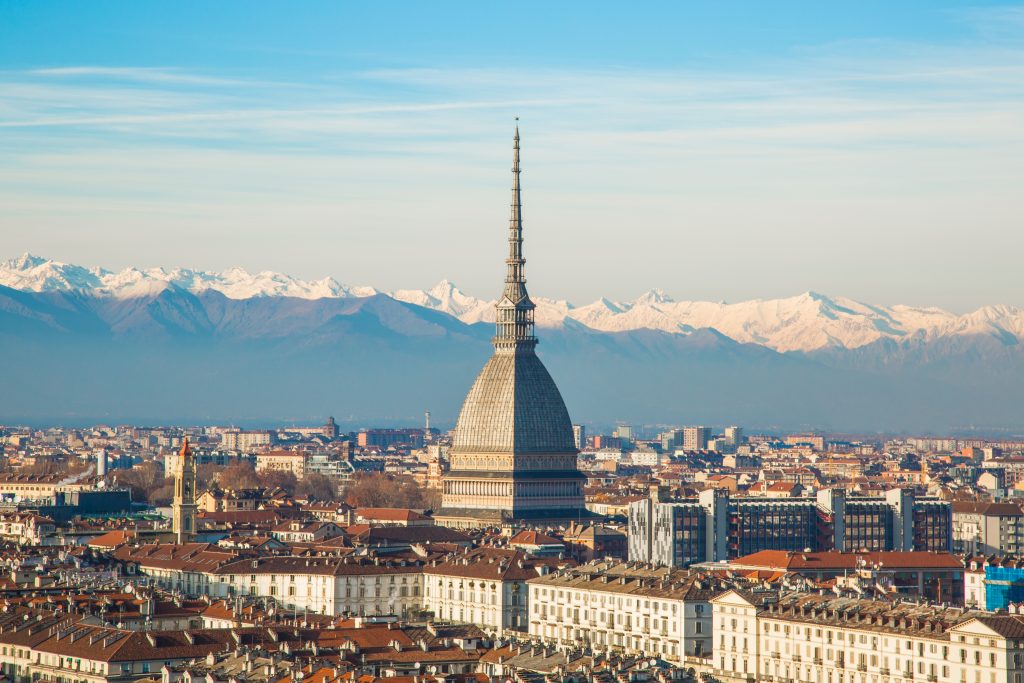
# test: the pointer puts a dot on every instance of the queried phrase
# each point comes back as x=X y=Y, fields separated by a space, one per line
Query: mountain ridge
x=807 y=323
x=170 y=354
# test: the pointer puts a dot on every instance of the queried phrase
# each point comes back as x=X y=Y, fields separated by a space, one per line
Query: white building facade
x=658 y=612
x=809 y=638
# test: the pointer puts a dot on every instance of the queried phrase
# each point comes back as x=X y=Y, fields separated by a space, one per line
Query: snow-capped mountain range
x=808 y=322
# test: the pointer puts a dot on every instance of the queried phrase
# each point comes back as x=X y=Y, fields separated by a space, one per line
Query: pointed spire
x=515 y=275
x=515 y=310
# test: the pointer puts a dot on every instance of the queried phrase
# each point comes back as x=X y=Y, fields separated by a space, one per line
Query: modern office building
x=716 y=526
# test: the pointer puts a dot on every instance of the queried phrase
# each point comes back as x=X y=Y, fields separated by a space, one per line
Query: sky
x=721 y=151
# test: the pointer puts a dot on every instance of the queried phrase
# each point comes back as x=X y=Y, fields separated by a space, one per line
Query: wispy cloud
x=155 y=75
x=905 y=144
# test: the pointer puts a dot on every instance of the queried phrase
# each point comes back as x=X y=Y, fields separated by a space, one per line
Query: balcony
x=932 y=678
x=862 y=667
x=908 y=674
x=884 y=671
x=796 y=658
x=817 y=660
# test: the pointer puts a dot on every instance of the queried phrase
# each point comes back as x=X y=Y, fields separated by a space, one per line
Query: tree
x=162 y=495
x=206 y=475
x=141 y=480
x=373 y=489
x=316 y=486
x=239 y=476
x=279 y=479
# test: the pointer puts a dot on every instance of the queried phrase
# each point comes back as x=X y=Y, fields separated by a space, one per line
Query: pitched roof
x=988 y=509
x=833 y=560
x=391 y=514
x=527 y=537
x=112 y=539
x=499 y=564
x=1007 y=625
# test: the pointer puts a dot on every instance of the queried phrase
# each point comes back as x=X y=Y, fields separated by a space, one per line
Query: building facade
x=805 y=638
x=319 y=585
x=282 y=461
x=717 y=526
x=696 y=438
x=981 y=528
x=615 y=606
x=238 y=440
x=486 y=587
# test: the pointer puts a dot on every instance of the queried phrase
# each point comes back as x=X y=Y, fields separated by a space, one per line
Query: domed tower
x=513 y=456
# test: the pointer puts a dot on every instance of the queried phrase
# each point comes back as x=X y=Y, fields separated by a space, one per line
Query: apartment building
x=230 y=500
x=383 y=438
x=321 y=585
x=239 y=440
x=625 y=607
x=981 y=528
x=282 y=461
x=29 y=486
x=696 y=438
x=55 y=647
x=810 y=638
x=938 y=577
x=28 y=528
x=486 y=586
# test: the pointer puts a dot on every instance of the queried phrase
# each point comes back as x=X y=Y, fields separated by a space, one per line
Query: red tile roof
x=391 y=514
x=837 y=561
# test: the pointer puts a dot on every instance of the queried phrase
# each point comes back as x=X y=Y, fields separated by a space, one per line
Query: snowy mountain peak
x=24 y=262
x=653 y=297
x=36 y=274
x=807 y=322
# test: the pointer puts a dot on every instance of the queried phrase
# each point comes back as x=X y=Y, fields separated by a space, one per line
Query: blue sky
x=717 y=151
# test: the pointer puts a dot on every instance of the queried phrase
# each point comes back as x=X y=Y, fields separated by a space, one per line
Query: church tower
x=184 y=506
x=513 y=455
